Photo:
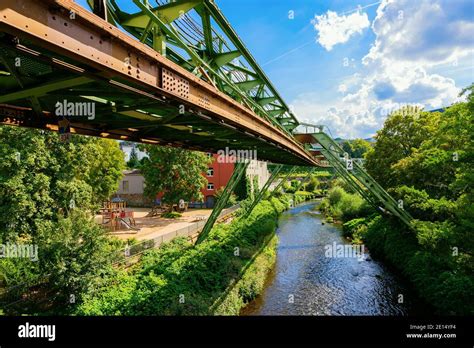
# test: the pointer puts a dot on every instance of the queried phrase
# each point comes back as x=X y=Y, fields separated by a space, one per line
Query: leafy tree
x=241 y=188
x=133 y=161
x=232 y=198
x=312 y=184
x=443 y=158
x=41 y=176
x=48 y=190
x=175 y=172
x=356 y=148
x=402 y=133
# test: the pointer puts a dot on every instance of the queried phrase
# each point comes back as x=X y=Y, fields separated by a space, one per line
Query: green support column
x=264 y=189
x=374 y=193
x=282 y=182
x=239 y=170
x=347 y=177
x=159 y=41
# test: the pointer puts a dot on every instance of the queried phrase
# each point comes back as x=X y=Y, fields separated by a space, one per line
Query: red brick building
x=217 y=176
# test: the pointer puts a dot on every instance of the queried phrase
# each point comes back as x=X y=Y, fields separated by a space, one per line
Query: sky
x=347 y=64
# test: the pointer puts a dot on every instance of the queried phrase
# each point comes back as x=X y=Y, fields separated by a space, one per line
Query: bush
x=171 y=215
x=335 y=195
x=345 y=206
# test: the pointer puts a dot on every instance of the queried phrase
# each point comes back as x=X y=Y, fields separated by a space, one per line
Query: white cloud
x=428 y=32
x=412 y=38
x=342 y=88
x=333 y=29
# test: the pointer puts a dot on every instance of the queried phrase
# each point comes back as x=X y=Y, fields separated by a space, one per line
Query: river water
x=305 y=281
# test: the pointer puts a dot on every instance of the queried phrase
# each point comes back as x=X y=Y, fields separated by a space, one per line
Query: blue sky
x=348 y=64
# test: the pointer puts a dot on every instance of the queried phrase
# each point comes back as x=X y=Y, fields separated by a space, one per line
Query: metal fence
x=187 y=231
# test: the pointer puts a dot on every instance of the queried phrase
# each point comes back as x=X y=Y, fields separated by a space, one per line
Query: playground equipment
x=115 y=215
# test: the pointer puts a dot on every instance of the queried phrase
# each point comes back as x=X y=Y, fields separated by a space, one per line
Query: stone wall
x=136 y=200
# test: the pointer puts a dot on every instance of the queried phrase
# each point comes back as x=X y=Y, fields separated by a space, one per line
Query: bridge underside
x=121 y=112
x=48 y=58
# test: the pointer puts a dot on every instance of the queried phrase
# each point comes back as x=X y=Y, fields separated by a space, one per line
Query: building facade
x=131 y=186
x=131 y=189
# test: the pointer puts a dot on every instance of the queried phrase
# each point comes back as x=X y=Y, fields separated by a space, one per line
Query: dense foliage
x=49 y=190
x=356 y=148
x=133 y=161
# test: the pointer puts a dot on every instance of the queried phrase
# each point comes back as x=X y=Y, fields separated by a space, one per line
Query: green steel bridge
x=171 y=73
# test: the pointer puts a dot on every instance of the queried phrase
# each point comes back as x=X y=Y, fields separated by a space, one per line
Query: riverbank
x=216 y=277
x=435 y=270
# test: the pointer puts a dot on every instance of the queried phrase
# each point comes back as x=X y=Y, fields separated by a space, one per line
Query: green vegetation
x=175 y=172
x=230 y=202
x=302 y=196
x=133 y=162
x=356 y=148
x=242 y=189
x=175 y=279
x=426 y=161
x=171 y=215
x=344 y=206
x=49 y=190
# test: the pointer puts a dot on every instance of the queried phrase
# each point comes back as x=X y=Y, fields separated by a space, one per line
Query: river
x=305 y=281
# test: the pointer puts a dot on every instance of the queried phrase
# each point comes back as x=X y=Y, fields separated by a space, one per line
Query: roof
x=132 y=172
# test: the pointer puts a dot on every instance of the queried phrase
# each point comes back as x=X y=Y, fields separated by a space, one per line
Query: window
x=210 y=172
x=210 y=186
x=125 y=186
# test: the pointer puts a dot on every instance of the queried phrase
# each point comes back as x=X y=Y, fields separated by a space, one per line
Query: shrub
x=171 y=215
x=335 y=195
x=232 y=198
x=345 y=206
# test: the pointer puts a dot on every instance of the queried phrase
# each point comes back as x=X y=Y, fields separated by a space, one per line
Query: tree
x=41 y=176
x=133 y=161
x=402 y=133
x=232 y=198
x=175 y=172
x=241 y=188
x=48 y=192
x=356 y=148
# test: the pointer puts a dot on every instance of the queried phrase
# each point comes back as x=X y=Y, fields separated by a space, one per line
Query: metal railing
x=187 y=231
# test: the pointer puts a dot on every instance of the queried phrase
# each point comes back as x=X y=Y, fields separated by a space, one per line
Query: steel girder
x=196 y=35
x=130 y=82
x=358 y=178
